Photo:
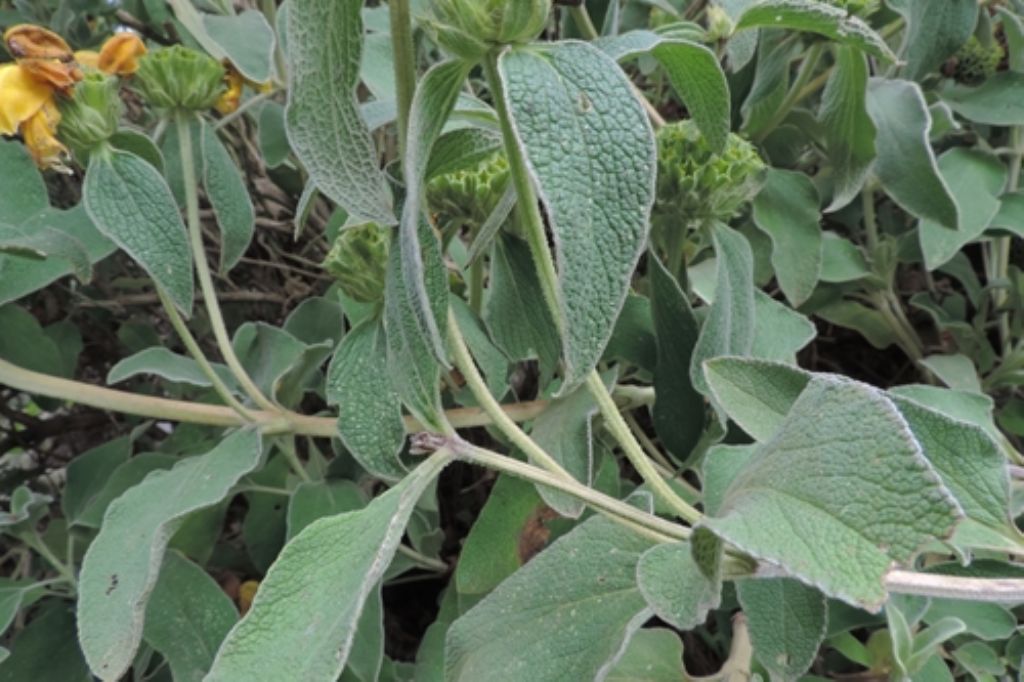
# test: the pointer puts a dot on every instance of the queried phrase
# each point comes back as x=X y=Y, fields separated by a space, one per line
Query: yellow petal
x=232 y=96
x=120 y=54
x=40 y=133
x=36 y=42
x=88 y=59
x=21 y=96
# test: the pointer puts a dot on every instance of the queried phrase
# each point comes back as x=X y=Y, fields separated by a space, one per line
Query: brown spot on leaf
x=535 y=534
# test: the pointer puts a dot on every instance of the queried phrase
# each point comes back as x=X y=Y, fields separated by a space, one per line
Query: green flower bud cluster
x=976 y=62
x=180 y=78
x=468 y=196
x=696 y=185
x=359 y=261
x=469 y=27
x=91 y=115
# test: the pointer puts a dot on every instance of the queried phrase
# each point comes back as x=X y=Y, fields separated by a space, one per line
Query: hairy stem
x=195 y=233
x=404 y=50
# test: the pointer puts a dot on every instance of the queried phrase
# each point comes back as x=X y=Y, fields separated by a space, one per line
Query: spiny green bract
x=468 y=196
x=468 y=27
x=91 y=115
x=358 y=260
x=976 y=62
x=697 y=186
x=180 y=78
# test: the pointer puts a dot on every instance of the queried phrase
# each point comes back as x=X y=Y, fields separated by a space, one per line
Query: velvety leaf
x=787 y=622
x=679 y=412
x=794 y=505
x=306 y=613
x=956 y=371
x=23 y=193
x=324 y=125
x=129 y=202
x=47 y=649
x=369 y=412
x=906 y=165
x=692 y=69
x=504 y=536
x=247 y=40
x=984 y=621
x=520 y=326
x=841 y=260
x=122 y=564
x=652 y=655
x=433 y=103
x=127 y=475
x=976 y=180
x=849 y=131
x=230 y=199
x=675 y=588
x=314 y=500
x=88 y=472
x=995 y=102
x=564 y=616
x=161 y=362
x=25 y=344
x=757 y=395
x=729 y=327
x=187 y=618
x=412 y=364
x=591 y=151
x=934 y=32
x=816 y=17
x=280 y=364
x=44 y=243
x=564 y=431
x=786 y=209
x=493 y=363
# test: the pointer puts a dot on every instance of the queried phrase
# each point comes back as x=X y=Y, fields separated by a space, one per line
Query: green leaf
x=729 y=327
x=47 y=649
x=122 y=564
x=849 y=131
x=461 y=148
x=591 y=151
x=46 y=242
x=976 y=180
x=433 y=103
x=779 y=332
x=316 y=499
x=984 y=621
x=230 y=199
x=274 y=135
x=129 y=202
x=906 y=165
x=564 y=616
x=787 y=209
x=282 y=366
x=324 y=125
x=834 y=507
x=564 y=430
x=934 y=32
x=756 y=394
x=652 y=655
x=167 y=365
x=996 y=102
x=675 y=587
x=956 y=371
x=841 y=260
x=24 y=343
x=969 y=462
x=140 y=145
x=679 y=412
x=23 y=193
x=520 y=327
x=305 y=616
x=412 y=364
x=187 y=618
x=247 y=40
x=694 y=72
x=125 y=476
x=787 y=622
x=493 y=363
x=88 y=472
x=866 y=321
x=816 y=17
x=495 y=547
x=369 y=413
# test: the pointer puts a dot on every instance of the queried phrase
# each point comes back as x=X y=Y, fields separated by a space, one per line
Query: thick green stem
x=477 y=385
x=531 y=219
x=195 y=233
x=197 y=354
x=999 y=260
x=616 y=509
x=404 y=50
x=617 y=426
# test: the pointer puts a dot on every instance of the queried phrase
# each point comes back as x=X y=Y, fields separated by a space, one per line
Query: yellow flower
x=120 y=54
x=88 y=59
x=232 y=96
x=21 y=96
x=41 y=141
